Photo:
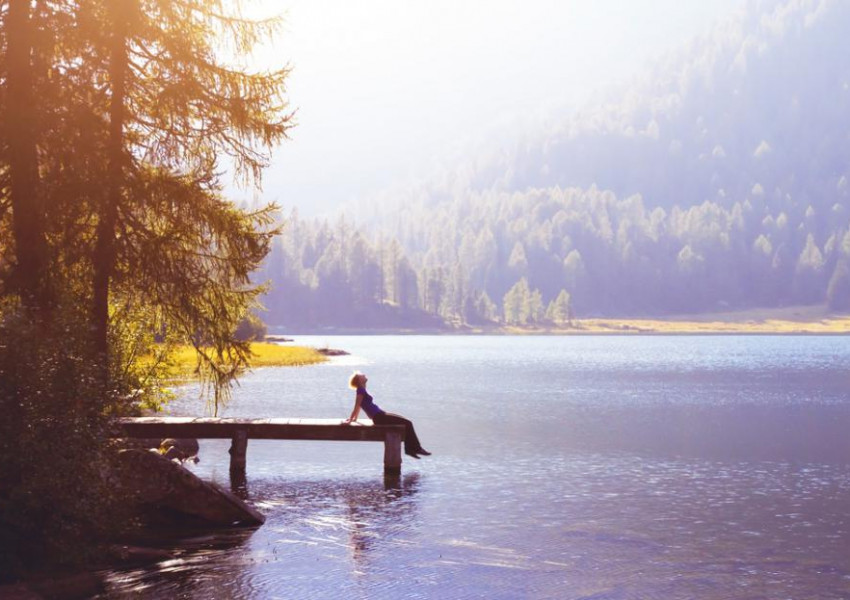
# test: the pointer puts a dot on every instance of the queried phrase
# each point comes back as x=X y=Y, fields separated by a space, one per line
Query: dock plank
x=240 y=430
x=258 y=429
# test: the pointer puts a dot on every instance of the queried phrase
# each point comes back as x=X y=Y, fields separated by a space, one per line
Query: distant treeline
x=539 y=256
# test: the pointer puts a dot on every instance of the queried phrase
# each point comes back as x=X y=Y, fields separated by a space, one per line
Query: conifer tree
x=560 y=309
x=174 y=107
x=116 y=114
x=20 y=135
x=838 y=291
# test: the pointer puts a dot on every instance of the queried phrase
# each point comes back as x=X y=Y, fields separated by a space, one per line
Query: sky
x=388 y=92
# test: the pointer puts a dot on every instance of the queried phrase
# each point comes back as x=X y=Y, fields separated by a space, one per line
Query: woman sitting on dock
x=363 y=400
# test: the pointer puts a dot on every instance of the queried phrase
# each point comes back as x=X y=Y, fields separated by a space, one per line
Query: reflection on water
x=192 y=573
x=354 y=515
x=343 y=521
x=613 y=468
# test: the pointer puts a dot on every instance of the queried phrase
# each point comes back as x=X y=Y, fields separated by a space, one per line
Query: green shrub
x=55 y=495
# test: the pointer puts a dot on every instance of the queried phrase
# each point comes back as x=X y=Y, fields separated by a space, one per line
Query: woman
x=363 y=400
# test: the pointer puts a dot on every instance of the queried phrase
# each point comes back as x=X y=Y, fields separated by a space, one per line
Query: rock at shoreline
x=331 y=352
x=277 y=338
x=153 y=480
x=182 y=449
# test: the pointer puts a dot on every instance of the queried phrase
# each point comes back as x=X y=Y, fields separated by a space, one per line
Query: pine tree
x=517 y=303
x=20 y=118
x=838 y=291
x=536 y=309
x=484 y=308
x=116 y=113
x=809 y=272
x=174 y=108
x=560 y=309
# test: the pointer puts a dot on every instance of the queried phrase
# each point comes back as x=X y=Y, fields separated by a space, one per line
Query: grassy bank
x=184 y=360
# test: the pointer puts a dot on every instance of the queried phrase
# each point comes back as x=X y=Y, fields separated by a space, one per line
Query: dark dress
x=379 y=417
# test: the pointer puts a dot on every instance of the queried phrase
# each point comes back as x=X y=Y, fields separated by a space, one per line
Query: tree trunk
x=104 y=254
x=30 y=274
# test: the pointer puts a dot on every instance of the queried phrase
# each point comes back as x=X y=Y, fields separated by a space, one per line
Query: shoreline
x=566 y=333
x=805 y=320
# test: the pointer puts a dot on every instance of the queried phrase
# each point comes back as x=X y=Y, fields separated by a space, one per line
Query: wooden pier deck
x=239 y=431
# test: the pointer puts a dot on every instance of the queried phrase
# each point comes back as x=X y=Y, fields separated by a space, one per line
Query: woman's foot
x=412 y=454
x=423 y=452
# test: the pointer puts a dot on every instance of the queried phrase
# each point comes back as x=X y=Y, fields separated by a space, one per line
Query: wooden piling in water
x=392 y=453
x=238 y=454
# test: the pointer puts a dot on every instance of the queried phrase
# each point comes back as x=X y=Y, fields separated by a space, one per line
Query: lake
x=603 y=467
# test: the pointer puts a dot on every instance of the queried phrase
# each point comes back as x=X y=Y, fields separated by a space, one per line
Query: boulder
x=153 y=480
x=181 y=449
x=332 y=352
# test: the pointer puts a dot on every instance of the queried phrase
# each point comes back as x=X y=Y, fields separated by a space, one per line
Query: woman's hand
x=355 y=412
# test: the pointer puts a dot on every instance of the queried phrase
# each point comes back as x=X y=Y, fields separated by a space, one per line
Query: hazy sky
x=386 y=90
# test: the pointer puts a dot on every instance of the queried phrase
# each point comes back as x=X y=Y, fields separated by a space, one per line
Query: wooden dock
x=239 y=431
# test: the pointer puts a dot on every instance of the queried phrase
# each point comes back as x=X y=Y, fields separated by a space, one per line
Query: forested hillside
x=719 y=181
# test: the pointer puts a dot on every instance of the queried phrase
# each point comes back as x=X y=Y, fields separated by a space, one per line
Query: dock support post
x=238 y=451
x=392 y=454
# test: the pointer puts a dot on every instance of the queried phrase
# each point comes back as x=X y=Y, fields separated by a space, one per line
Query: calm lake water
x=563 y=467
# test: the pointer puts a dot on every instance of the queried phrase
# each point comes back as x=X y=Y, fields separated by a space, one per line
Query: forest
x=718 y=181
x=536 y=257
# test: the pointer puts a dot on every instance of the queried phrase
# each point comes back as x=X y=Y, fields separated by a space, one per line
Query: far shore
x=795 y=320
x=798 y=320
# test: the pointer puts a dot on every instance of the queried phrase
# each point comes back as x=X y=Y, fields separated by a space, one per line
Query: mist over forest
x=718 y=181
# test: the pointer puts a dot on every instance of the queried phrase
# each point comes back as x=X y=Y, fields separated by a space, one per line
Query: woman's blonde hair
x=354 y=382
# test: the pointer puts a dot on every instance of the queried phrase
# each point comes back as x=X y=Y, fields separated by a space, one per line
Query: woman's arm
x=356 y=410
